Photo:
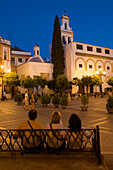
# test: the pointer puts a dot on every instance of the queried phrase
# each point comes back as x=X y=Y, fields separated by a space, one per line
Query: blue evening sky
x=31 y=21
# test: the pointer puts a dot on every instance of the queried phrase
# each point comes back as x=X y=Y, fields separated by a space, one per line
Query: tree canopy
x=87 y=81
x=27 y=82
x=57 y=50
x=37 y=80
x=62 y=83
x=110 y=82
x=96 y=80
x=12 y=79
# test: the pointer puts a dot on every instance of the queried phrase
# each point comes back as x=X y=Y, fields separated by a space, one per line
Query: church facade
x=85 y=59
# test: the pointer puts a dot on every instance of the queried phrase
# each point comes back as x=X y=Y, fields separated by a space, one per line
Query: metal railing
x=57 y=140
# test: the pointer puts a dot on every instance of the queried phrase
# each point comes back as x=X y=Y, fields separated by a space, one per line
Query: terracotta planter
x=18 y=103
x=64 y=106
x=56 y=105
x=84 y=108
x=44 y=105
x=110 y=110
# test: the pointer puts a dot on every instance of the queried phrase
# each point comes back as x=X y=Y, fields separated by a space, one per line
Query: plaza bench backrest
x=90 y=140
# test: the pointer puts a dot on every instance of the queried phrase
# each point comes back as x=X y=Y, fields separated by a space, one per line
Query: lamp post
x=101 y=73
x=2 y=71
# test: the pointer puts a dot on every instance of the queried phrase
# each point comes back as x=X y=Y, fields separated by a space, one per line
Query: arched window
x=64 y=40
x=65 y=26
x=69 y=40
x=37 y=52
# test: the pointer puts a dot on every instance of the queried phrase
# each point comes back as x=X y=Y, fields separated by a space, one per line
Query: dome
x=36 y=59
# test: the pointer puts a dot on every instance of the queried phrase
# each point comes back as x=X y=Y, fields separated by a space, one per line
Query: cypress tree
x=57 y=50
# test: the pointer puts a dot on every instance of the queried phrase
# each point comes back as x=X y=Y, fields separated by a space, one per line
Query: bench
x=91 y=142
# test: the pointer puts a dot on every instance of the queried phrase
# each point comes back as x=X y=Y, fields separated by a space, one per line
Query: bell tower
x=66 y=31
x=36 y=50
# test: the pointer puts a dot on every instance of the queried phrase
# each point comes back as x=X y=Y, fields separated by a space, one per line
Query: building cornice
x=93 y=45
x=21 y=53
x=92 y=55
x=67 y=31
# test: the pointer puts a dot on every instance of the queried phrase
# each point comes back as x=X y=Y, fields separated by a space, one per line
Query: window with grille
x=98 y=50
x=99 y=67
x=108 y=68
x=90 y=66
x=89 y=48
x=80 y=65
x=80 y=47
x=107 y=52
x=20 y=60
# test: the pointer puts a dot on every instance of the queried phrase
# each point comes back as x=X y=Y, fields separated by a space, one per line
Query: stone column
x=85 y=89
x=96 y=89
x=88 y=89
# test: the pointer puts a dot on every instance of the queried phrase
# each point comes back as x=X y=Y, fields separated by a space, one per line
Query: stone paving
x=11 y=115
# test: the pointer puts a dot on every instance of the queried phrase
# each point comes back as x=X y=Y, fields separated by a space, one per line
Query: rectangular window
x=108 y=68
x=5 y=55
x=80 y=47
x=98 y=50
x=89 y=48
x=80 y=65
x=99 y=67
x=90 y=66
x=20 y=60
x=106 y=51
x=12 y=59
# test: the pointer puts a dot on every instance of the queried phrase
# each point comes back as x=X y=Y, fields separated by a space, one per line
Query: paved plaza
x=11 y=115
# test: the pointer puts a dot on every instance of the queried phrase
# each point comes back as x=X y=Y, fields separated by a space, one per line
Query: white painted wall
x=34 y=68
x=71 y=56
x=84 y=51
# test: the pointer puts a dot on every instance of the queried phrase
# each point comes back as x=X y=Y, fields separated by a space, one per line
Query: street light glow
x=9 y=70
x=97 y=72
x=100 y=69
x=2 y=66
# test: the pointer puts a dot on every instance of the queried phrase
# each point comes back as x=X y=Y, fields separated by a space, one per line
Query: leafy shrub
x=84 y=100
x=64 y=100
x=18 y=98
x=45 y=99
x=56 y=99
x=110 y=102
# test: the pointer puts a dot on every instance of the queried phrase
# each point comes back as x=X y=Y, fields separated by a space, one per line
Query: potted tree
x=56 y=99
x=84 y=102
x=64 y=101
x=110 y=82
x=109 y=105
x=62 y=83
x=18 y=98
x=45 y=99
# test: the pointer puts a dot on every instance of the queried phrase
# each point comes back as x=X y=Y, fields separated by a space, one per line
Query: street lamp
x=2 y=68
x=2 y=73
x=9 y=70
x=101 y=73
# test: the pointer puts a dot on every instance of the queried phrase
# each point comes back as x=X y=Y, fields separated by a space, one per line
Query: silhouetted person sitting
x=32 y=139
x=75 y=137
x=55 y=138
